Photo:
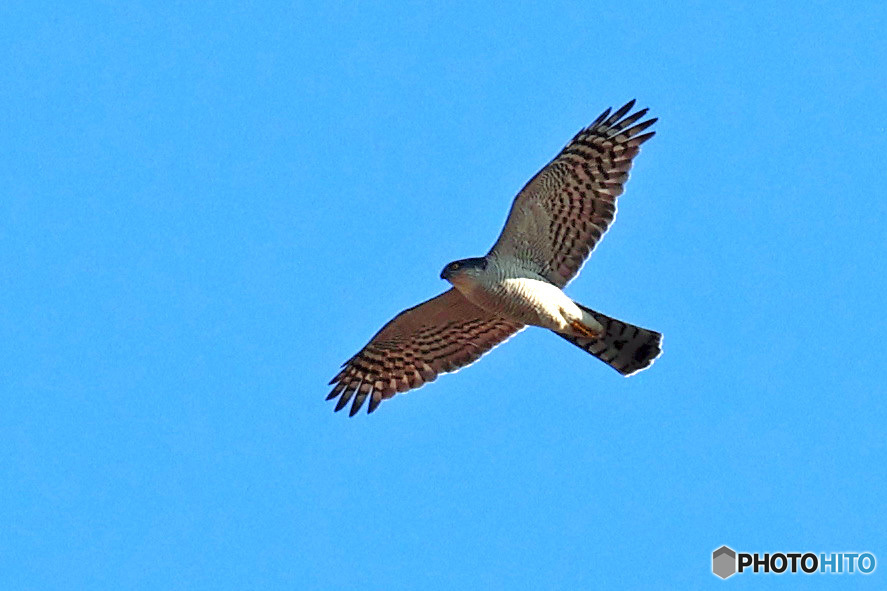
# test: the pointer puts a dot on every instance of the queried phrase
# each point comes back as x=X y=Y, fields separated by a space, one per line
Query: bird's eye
x=455 y=266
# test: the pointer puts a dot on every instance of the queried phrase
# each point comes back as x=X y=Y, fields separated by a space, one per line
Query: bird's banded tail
x=625 y=347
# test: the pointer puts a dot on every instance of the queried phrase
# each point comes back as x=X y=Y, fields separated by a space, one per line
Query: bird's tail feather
x=625 y=347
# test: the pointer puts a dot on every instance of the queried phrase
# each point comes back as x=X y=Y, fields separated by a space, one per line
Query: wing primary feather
x=600 y=118
x=629 y=120
x=336 y=391
x=375 y=400
x=640 y=127
x=358 y=402
x=346 y=396
x=638 y=140
x=369 y=396
x=619 y=114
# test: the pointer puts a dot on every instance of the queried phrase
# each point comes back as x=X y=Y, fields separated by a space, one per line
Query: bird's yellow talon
x=584 y=330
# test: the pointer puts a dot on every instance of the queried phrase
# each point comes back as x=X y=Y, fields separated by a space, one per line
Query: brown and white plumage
x=438 y=336
x=554 y=223
x=561 y=214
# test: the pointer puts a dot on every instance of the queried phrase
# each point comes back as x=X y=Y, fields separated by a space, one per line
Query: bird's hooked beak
x=456 y=268
x=450 y=270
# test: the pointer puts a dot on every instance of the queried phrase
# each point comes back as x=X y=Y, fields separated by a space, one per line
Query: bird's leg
x=584 y=330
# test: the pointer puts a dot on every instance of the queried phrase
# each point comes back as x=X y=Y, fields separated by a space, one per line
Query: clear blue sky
x=206 y=209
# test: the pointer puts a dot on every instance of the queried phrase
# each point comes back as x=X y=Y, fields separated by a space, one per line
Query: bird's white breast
x=520 y=295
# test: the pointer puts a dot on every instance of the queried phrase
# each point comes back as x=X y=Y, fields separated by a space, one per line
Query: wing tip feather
x=619 y=114
x=600 y=118
x=358 y=402
x=640 y=139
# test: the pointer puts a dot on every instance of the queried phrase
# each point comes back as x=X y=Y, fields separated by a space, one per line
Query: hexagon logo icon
x=723 y=562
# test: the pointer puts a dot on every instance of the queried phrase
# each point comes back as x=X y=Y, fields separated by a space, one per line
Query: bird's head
x=464 y=269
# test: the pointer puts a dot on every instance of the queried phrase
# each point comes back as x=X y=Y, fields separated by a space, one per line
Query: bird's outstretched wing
x=562 y=213
x=441 y=335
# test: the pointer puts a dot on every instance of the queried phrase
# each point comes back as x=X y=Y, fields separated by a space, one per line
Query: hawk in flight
x=554 y=223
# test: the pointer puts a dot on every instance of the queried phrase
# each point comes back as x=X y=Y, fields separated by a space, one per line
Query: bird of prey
x=554 y=223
